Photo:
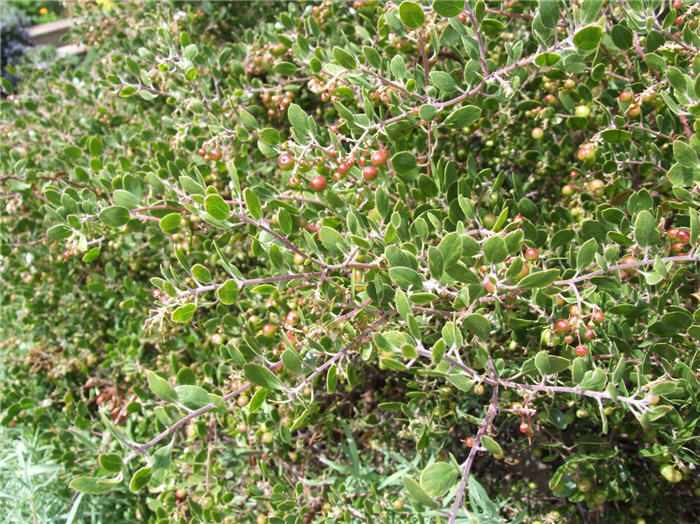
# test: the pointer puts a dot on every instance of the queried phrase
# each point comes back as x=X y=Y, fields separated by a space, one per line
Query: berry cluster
x=277 y=103
x=577 y=321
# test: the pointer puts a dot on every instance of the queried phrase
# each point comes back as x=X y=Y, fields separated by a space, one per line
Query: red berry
x=589 y=333
x=531 y=254
x=318 y=183
x=286 y=162
x=215 y=154
x=573 y=173
x=369 y=172
x=294 y=181
x=574 y=310
x=598 y=315
x=518 y=219
x=568 y=339
x=677 y=4
x=343 y=168
x=202 y=151
x=550 y=98
x=469 y=441
x=626 y=96
x=379 y=158
x=581 y=351
x=362 y=161
x=537 y=133
x=567 y=190
x=292 y=317
x=683 y=236
x=268 y=330
x=672 y=233
x=562 y=325
x=462 y=17
x=678 y=247
x=524 y=427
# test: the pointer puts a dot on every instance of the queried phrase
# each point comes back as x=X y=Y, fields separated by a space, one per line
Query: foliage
x=319 y=262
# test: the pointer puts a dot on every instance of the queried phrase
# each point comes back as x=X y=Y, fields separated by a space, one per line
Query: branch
x=488 y=419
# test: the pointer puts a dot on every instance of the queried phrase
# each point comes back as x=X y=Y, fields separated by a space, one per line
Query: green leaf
x=685 y=155
x=140 y=479
x=170 y=223
x=479 y=325
x=438 y=478
x=292 y=361
x=111 y=462
x=495 y=250
x=547 y=59
x=194 y=397
x=450 y=248
x=344 y=58
x=252 y=203
x=406 y=278
x=160 y=387
x=443 y=81
x=427 y=112
x=115 y=216
x=615 y=136
x=586 y=254
x=417 y=493
x=491 y=445
x=201 y=274
x=448 y=8
x=285 y=68
x=298 y=118
x=257 y=400
x=217 y=207
x=59 y=232
x=588 y=38
x=621 y=36
x=403 y=162
x=183 y=313
x=460 y=382
x=436 y=264
x=645 y=229
x=89 y=485
x=332 y=240
x=261 y=376
x=548 y=11
x=539 y=279
x=463 y=117
x=127 y=91
x=227 y=292
x=411 y=14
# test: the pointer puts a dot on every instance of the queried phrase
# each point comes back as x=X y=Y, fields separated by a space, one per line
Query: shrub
x=415 y=262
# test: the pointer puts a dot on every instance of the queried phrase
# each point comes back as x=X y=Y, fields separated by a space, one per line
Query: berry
x=586 y=151
x=216 y=339
x=278 y=49
x=202 y=151
x=267 y=437
x=568 y=339
x=479 y=390
x=343 y=168
x=292 y=317
x=294 y=181
x=596 y=186
x=598 y=315
x=625 y=96
x=180 y=493
x=518 y=219
x=574 y=310
x=469 y=441
x=268 y=330
x=678 y=247
x=676 y=4
x=379 y=158
x=672 y=233
x=369 y=173
x=215 y=154
x=462 y=17
x=634 y=110
x=581 y=351
x=524 y=427
x=573 y=173
x=242 y=401
x=318 y=183
x=562 y=325
x=398 y=504
x=550 y=98
x=569 y=83
x=537 y=133
x=531 y=254
x=683 y=236
x=589 y=334
x=286 y=162
x=583 y=111
x=567 y=190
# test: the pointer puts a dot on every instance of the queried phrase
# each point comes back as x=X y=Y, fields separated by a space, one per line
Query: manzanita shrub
x=416 y=262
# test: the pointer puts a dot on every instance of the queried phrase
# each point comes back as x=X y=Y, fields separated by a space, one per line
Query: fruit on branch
x=285 y=161
x=569 y=83
x=537 y=133
x=369 y=173
x=586 y=152
x=581 y=350
x=562 y=325
x=268 y=330
x=524 y=427
x=215 y=154
x=670 y=473
x=683 y=236
x=598 y=315
x=379 y=158
x=582 y=111
x=626 y=96
x=531 y=254
x=318 y=183
x=567 y=190
x=629 y=259
x=292 y=317
x=469 y=442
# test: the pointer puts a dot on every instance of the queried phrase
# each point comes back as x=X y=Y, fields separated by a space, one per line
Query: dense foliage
x=306 y=262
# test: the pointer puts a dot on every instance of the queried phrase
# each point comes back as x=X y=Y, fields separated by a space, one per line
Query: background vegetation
x=307 y=262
